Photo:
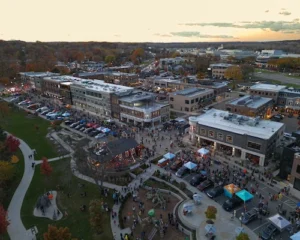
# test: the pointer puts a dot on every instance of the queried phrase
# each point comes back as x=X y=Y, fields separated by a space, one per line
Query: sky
x=150 y=21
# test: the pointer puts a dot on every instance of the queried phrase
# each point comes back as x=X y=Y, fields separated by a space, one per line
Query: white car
x=100 y=135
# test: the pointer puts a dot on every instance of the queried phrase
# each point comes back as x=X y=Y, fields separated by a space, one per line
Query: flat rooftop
x=38 y=74
x=223 y=120
x=220 y=65
x=137 y=96
x=65 y=78
x=101 y=86
x=267 y=87
x=251 y=101
x=191 y=92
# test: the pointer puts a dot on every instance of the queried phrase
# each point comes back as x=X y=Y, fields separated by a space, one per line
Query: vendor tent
x=210 y=228
x=151 y=213
x=231 y=189
x=203 y=172
x=190 y=165
x=197 y=198
x=203 y=151
x=169 y=155
x=296 y=236
x=244 y=195
x=279 y=221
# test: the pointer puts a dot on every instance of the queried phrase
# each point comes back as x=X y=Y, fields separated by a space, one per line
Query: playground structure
x=158 y=224
x=157 y=199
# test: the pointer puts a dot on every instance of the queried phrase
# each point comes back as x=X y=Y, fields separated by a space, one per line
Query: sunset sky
x=150 y=21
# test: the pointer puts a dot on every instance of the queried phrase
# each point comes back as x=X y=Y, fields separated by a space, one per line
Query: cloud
x=285 y=13
x=276 y=26
x=266 y=11
x=198 y=35
x=162 y=35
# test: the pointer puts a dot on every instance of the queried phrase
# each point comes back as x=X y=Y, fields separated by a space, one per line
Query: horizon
x=156 y=22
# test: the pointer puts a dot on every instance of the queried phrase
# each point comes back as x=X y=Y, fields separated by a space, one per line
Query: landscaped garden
x=73 y=195
x=31 y=129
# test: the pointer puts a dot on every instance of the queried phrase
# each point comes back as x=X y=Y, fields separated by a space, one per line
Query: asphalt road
x=278 y=77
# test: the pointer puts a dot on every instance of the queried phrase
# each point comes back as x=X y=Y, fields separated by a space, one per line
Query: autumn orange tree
x=96 y=215
x=55 y=233
x=3 y=220
x=137 y=55
x=46 y=168
x=211 y=212
x=234 y=73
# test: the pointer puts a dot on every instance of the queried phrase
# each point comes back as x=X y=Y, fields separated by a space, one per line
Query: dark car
x=68 y=122
x=250 y=215
x=205 y=185
x=181 y=172
x=197 y=179
x=177 y=164
x=269 y=232
x=215 y=192
x=94 y=133
x=79 y=126
x=232 y=203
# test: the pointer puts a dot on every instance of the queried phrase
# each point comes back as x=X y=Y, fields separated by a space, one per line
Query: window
x=171 y=106
x=298 y=169
x=187 y=101
x=171 y=99
x=220 y=136
x=211 y=133
x=297 y=183
x=197 y=99
x=192 y=101
x=229 y=139
x=186 y=109
x=202 y=131
x=254 y=145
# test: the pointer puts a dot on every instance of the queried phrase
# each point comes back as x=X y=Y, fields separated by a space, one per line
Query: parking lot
x=257 y=225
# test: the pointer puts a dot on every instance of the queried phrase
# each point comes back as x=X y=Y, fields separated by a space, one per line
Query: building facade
x=35 y=78
x=252 y=106
x=125 y=79
x=95 y=96
x=218 y=69
x=191 y=99
x=267 y=91
x=248 y=138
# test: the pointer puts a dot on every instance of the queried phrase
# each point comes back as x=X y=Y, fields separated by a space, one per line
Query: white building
x=245 y=137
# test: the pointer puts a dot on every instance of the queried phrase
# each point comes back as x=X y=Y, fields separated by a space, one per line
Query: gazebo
x=230 y=190
x=169 y=156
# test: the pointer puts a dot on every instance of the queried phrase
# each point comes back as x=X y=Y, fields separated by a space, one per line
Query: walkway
x=16 y=229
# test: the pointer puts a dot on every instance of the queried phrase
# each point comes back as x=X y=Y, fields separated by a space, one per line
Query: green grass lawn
x=22 y=126
x=76 y=221
x=19 y=171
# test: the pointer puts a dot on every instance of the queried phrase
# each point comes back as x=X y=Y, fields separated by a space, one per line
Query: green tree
x=233 y=72
x=243 y=236
x=247 y=71
x=110 y=59
x=96 y=215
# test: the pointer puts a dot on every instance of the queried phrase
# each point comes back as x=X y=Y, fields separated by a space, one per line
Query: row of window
x=201 y=99
x=220 y=136
x=264 y=93
x=94 y=94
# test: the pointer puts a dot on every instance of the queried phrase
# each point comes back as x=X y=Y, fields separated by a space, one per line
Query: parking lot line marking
x=260 y=226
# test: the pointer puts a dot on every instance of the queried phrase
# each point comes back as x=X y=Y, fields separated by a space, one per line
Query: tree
x=201 y=64
x=14 y=159
x=3 y=220
x=211 y=212
x=3 y=135
x=137 y=55
x=243 y=236
x=12 y=143
x=110 y=59
x=96 y=215
x=55 y=233
x=46 y=168
x=7 y=171
x=247 y=70
x=233 y=72
x=200 y=75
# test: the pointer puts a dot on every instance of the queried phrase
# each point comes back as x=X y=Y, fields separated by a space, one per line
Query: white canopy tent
x=203 y=151
x=279 y=221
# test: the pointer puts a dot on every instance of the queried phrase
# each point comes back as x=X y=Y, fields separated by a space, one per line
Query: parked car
x=163 y=162
x=232 y=203
x=176 y=165
x=45 y=112
x=41 y=109
x=197 y=179
x=79 y=126
x=69 y=122
x=250 y=215
x=100 y=135
x=182 y=171
x=88 y=130
x=205 y=185
x=94 y=133
x=291 y=115
x=269 y=232
x=73 y=125
x=215 y=192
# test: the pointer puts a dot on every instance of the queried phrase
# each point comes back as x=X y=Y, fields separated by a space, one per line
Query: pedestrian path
x=16 y=229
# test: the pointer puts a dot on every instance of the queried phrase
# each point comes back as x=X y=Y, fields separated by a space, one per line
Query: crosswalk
x=290 y=203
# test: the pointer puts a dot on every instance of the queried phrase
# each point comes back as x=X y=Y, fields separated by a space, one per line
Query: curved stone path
x=16 y=229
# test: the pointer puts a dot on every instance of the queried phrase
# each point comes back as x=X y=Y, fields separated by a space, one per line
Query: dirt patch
x=171 y=232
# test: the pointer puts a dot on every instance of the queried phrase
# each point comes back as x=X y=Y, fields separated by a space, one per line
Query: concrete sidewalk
x=16 y=229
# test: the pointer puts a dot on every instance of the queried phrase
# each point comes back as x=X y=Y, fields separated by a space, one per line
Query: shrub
x=155 y=160
x=144 y=166
x=182 y=185
x=211 y=212
x=243 y=236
